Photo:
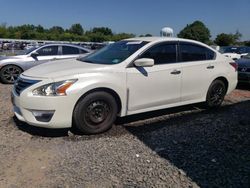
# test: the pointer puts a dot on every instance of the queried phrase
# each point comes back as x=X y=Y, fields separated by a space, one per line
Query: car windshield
x=25 y=52
x=114 y=53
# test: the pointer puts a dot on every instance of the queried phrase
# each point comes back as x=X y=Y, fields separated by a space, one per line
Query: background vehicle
x=235 y=52
x=128 y=77
x=12 y=66
x=244 y=69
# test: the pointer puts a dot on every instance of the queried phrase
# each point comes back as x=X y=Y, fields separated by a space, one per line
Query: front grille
x=21 y=84
x=243 y=69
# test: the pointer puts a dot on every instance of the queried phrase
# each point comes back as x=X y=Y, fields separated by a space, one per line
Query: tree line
x=196 y=31
x=57 y=33
x=199 y=31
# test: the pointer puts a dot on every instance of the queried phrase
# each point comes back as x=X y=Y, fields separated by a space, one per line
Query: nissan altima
x=128 y=77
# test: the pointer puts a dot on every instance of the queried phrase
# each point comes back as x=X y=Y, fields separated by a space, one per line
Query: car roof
x=152 y=39
x=65 y=44
x=167 y=39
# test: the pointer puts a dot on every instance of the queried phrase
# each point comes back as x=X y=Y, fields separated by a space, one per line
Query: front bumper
x=244 y=77
x=47 y=112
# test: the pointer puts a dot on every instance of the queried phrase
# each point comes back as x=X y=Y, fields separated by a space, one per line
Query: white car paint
x=140 y=89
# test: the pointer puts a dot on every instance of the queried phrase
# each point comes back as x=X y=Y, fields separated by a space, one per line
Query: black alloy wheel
x=9 y=74
x=216 y=94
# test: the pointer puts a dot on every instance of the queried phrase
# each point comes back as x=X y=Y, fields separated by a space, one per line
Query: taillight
x=234 y=65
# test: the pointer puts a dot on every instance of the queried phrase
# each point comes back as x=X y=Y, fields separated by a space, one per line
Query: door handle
x=210 y=67
x=175 y=72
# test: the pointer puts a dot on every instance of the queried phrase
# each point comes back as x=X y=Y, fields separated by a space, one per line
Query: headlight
x=54 y=89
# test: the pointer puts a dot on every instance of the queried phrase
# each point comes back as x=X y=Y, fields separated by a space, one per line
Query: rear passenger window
x=162 y=54
x=83 y=51
x=69 y=50
x=192 y=52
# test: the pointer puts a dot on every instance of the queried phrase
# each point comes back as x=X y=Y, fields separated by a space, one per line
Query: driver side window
x=49 y=50
x=162 y=53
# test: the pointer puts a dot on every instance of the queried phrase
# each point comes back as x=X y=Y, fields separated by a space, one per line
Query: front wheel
x=95 y=113
x=215 y=94
x=9 y=74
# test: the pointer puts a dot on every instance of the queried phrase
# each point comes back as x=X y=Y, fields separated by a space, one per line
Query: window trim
x=193 y=44
x=131 y=64
x=48 y=47
x=71 y=47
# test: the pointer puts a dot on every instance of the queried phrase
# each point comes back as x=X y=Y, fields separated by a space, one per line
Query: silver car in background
x=12 y=66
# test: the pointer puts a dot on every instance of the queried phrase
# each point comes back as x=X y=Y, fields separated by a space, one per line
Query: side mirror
x=34 y=55
x=144 y=62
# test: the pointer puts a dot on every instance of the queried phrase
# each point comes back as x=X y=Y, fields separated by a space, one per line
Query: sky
x=131 y=16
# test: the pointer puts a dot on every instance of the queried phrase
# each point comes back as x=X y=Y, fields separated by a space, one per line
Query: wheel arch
x=224 y=80
x=11 y=65
x=105 y=89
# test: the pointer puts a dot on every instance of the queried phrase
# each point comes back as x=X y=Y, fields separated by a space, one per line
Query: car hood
x=243 y=62
x=55 y=69
x=14 y=58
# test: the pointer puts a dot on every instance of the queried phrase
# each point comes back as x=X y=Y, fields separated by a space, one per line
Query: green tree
x=3 y=31
x=76 y=29
x=237 y=36
x=121 y=36
x=39 y=29
x=247 y=43
x=74 y=33
x=97 y=37
x=102 y=30
x=224 y=39
x=196 y=31
x=56 y=30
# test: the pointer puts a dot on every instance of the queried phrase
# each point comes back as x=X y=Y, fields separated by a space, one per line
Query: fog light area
x=43 y=115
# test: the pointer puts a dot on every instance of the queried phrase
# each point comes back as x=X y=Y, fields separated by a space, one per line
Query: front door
x=151 y=88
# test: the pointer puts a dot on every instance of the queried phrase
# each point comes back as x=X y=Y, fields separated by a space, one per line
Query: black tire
x=215 y=94
x=95 y=113
x=9 y=74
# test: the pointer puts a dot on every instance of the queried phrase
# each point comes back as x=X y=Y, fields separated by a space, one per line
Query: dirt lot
x=180 y=147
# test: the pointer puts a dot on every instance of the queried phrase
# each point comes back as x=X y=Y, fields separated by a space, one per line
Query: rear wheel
x=95 y=113
x=215 y=94
x=9 y=74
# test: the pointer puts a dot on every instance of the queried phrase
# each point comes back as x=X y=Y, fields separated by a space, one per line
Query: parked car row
x=128 y=77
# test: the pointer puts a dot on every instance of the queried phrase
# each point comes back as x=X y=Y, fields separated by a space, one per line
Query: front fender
x=92 y=81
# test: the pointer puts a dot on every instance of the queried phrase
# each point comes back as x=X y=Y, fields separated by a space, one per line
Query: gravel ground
x=180 y=147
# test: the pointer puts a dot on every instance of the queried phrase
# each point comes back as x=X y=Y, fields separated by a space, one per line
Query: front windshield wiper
x=87 y=61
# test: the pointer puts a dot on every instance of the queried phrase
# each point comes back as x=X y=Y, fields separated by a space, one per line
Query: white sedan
x=128 y=77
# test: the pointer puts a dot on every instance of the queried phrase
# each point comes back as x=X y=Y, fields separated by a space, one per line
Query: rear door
x=198 y=66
